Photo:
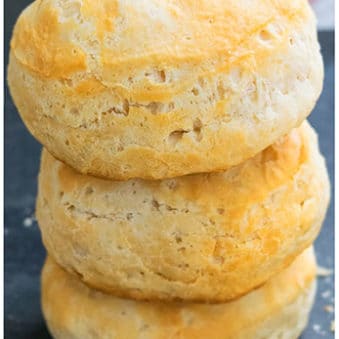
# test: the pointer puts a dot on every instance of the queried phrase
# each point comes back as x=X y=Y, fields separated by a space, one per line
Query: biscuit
x=202 y=237
x=163 y=88
x=278 y=309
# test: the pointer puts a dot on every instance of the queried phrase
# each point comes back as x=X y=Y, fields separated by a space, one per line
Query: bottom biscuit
x=278 y=309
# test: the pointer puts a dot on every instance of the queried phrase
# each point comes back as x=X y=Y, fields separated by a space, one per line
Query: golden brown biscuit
x=163 y=88
x=203 y=237
x=279 y=309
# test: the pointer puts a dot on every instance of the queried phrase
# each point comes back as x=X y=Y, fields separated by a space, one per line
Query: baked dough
x=203 y=237
x=277 y=310
x=157 y=89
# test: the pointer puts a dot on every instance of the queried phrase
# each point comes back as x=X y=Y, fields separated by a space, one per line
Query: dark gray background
x=24 y=254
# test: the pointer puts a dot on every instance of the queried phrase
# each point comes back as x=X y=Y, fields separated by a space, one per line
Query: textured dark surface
x=24 y=253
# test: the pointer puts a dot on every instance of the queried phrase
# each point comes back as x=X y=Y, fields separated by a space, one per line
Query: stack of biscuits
x=181 y=187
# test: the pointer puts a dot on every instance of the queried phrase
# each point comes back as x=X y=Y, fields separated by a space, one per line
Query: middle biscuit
x=205 y=237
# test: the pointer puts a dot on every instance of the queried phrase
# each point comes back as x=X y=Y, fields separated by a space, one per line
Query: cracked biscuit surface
x=277 y=310
x=158 y=89
x=203 y=237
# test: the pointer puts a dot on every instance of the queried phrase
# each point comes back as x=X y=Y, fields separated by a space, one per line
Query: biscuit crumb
x=323 y=271
x=326 y=294
x=317 y=329
x=28 y=222
x=329 y=308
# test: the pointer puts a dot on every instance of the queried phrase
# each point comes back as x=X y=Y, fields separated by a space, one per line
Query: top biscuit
x=156 y=89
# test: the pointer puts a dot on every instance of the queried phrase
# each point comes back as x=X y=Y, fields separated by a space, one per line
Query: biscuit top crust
x=107 y=40
x=242 y=185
